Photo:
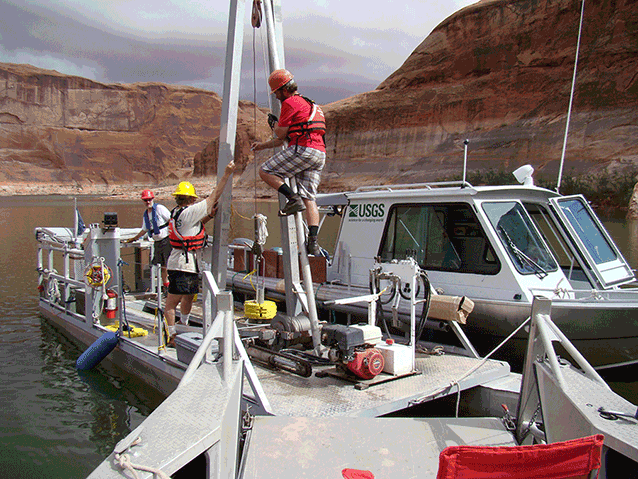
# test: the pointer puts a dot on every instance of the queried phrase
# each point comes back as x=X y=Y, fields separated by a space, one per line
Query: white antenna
x=465 y=143
x=571 y=98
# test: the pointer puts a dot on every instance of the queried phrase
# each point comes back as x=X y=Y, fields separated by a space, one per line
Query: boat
x=500 y=246
x=265 y=412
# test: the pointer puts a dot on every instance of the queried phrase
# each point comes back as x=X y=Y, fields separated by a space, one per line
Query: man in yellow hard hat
x=302 y=125
x=187 y=237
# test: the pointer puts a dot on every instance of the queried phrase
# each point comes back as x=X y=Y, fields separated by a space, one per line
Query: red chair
x=575 y=459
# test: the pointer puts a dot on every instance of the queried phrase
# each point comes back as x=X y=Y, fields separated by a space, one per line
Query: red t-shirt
x=297 y=110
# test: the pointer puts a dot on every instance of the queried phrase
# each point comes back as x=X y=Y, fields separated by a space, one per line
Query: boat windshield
x=521 y=239
x=587 y=230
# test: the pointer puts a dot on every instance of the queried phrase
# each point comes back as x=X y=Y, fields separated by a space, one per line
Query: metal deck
x=292 y=395
x=582 y=400
x=387 y=447
x=186 y=424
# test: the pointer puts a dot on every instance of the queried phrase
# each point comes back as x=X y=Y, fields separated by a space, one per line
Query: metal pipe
x=549 y=350
x=308 y=286
x=465 y=143
x=225 y=302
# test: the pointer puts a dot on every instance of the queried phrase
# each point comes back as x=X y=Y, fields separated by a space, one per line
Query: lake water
x=55 y=422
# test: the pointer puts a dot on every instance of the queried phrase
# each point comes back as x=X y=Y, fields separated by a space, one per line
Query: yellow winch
x=255 y=310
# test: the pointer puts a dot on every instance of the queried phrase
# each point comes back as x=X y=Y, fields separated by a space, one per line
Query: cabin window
x=587 y=230
x=445 y=237
x=569 y=263
x=522 y=242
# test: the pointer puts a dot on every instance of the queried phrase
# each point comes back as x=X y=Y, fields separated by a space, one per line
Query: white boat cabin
x=495 y=242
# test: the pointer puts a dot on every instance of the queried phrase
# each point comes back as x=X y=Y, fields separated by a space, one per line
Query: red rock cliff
x=70 y=130
x=498 y=73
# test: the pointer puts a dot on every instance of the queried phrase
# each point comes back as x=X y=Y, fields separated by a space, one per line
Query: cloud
x=336 y=49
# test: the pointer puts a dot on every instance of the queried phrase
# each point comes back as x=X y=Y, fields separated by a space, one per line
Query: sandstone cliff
x=497 y=73
x=97 y=138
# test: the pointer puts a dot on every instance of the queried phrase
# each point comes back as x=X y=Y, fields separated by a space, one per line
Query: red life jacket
x=316 y=123
x=186 y=243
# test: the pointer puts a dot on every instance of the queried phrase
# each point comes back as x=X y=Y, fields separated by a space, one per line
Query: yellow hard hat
x=185 y=188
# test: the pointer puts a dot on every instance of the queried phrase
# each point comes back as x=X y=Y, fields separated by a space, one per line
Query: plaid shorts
x=305 y=164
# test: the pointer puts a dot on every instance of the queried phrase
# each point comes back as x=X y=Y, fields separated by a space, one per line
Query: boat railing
x=587 y=295
x=60 y=262
x=543 y=332
x=413 y=186
x=218 y=323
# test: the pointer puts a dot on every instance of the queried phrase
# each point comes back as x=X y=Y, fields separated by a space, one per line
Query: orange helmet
x=278 y=78
x=147 y=195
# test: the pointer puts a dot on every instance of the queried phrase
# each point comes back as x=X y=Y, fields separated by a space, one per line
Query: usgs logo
x=368 y=210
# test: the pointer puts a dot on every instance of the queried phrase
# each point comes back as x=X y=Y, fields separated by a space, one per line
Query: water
x=57 y=423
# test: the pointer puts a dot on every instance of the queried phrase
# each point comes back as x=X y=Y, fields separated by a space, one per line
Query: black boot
x=294 y=205
x=313 y=247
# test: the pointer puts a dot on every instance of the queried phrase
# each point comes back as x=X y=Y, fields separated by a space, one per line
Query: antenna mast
x=571 y=98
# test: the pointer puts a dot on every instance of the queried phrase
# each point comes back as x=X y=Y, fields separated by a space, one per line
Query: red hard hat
x=147 y=195
x=278 y=78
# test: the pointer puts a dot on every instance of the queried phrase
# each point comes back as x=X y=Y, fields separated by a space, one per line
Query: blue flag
x=81 y=226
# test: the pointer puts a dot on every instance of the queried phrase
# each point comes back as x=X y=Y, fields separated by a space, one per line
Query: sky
x=335 y=49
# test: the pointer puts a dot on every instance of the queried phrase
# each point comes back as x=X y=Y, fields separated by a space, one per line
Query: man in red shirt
x=302 y=125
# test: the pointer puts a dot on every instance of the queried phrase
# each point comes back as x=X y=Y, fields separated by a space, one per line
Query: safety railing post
x=225 y=305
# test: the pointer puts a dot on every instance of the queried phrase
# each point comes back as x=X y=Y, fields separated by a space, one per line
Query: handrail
x=201 y=352
x=428 y=186
x=64 y=279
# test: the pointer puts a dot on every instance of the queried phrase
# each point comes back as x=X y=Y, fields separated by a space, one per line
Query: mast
x=571 y=98
x=227 y=135
x=228 y=130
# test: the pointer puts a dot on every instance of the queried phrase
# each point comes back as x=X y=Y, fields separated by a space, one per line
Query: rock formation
x=498 y=73
x=92 y=137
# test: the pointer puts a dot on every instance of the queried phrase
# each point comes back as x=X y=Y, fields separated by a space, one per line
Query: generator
x=352 y=348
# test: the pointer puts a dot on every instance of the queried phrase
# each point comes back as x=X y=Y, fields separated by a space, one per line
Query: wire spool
x=254 y=310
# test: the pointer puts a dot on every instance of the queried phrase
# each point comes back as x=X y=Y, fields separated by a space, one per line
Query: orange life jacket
x=316 y=123
x=186 y=243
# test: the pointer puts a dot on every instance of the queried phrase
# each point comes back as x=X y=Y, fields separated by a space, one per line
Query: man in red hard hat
x=302 y=126
x=155 y=224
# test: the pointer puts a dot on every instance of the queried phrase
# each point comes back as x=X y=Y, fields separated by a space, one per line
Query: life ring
x=97 y=274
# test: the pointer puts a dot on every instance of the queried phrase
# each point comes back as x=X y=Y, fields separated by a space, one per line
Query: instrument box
x=187 y=345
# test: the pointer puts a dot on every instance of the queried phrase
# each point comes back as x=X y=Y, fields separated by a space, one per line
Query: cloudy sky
x=334 y=48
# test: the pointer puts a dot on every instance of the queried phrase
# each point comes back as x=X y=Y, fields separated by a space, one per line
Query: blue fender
x=97 y=351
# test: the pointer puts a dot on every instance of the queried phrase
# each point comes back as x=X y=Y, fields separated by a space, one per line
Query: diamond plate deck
x=291 y=395
x=186 y=424
x=580 y=403
x=388 y=447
